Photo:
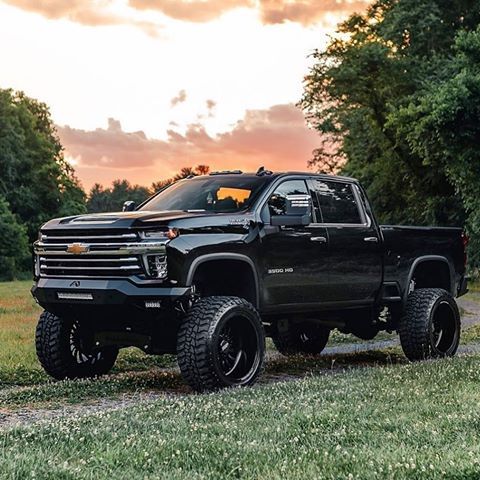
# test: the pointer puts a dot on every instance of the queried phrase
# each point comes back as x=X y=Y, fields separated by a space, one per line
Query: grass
x=416 y=421
x=366 y=415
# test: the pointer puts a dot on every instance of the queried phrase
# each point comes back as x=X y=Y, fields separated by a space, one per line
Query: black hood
x=145 y=219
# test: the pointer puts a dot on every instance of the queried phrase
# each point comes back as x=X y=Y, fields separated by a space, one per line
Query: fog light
x=153 y=304
x=74 y=296
x=157 y=266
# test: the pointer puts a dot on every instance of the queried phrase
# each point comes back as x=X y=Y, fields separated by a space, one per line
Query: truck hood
x=147 y=219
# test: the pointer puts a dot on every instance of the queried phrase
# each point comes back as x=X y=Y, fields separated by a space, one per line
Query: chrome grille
x=99 y=254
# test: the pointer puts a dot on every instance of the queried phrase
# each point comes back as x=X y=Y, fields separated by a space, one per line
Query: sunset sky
x=140 y=88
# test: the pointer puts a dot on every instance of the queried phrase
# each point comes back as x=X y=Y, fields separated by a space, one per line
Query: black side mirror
x=298 y=212
x=128 y=206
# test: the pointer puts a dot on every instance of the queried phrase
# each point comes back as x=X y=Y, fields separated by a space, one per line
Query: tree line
x=111 y=199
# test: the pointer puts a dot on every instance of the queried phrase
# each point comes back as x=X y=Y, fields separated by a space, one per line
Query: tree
x=442 y=126
x=35 y=178
x=112 y=199
x=360 y=86
x=14 y=254
x=184 y=173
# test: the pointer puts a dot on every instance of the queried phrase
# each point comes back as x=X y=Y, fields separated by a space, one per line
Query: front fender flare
x=225 y=256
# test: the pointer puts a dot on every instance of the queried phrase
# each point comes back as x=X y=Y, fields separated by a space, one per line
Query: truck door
x=354 y=243
x=293 y=258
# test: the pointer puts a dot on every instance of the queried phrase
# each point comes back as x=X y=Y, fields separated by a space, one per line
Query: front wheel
x=221 y=343
x=61 y=351
x=430 y=325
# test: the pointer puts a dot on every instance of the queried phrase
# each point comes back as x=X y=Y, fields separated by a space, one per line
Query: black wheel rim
x=76 y=350
x=307 y=333
x=238 y=350
x=444 y=328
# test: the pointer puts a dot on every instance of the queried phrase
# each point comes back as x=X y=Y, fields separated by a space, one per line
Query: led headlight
x=159 y=234
x=157 y=266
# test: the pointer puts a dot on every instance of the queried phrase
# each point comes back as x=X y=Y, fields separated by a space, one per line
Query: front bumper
x=102 y=292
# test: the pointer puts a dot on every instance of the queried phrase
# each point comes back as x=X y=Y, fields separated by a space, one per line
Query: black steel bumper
x=103 y=292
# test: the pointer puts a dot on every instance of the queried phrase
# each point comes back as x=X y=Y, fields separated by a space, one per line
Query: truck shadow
x=299 y=366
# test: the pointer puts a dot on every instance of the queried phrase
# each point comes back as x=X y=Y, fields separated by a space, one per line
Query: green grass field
x=416 y=421
x=365 y=416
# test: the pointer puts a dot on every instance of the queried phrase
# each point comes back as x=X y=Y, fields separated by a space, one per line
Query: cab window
x=337 y=202
x=277 y=204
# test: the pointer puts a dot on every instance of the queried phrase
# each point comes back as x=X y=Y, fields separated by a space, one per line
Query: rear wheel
x=61 y=349
x=305 y=337
x=221 y=343
x=430 y=325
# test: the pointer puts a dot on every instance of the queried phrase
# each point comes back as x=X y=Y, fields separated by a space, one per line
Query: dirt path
x=29 y=416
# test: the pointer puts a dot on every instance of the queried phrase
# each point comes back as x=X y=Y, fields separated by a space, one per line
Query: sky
x=140 y=88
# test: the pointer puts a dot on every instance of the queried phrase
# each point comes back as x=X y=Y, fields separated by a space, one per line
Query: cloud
x=211 y=104
x=102 y=12
x=179 y=98
x=85 y=12
x=276 y=138
x=191 y=10
x=306 y=12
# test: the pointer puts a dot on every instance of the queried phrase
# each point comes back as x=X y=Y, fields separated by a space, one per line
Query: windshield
x=209 y=193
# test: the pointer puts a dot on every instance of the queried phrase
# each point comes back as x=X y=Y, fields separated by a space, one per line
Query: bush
x=14 y=253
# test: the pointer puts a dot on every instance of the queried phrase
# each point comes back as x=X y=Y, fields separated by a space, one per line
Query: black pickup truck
x=209 y=266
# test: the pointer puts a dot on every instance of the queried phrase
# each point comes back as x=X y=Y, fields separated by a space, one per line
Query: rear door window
x=337 y=202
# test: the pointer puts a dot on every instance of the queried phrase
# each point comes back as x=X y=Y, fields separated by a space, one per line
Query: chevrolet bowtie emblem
x=77 y=248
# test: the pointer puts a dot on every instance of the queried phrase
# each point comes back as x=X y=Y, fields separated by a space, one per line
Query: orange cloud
x=306 y=12
x=85 y=12
x=276 y=138
x=179 y=98
x=191 y=10
x=100 y=12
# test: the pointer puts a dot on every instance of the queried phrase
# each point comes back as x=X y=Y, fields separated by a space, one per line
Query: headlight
x=157 y=266
x=159 y=234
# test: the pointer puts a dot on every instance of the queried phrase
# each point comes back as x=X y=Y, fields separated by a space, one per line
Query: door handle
x=371 y=239
x=318 y=239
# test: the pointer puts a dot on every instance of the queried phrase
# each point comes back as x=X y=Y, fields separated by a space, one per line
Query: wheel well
x=226 y=277
x=432 y=274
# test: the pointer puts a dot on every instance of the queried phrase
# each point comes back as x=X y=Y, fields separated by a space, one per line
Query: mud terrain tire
x=430 y=325
x=60 y=353
x=221 y=343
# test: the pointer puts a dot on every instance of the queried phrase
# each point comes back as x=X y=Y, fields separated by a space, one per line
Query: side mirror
x=128 y=206
x=298 y=212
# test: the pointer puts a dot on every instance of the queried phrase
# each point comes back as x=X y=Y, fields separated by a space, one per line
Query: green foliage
x=443 y=128
x=395 y=97
x=111 y=199
x=35 y=178
x=14 y=254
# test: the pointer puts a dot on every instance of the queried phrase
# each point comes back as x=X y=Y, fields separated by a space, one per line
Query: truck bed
x=407 y=245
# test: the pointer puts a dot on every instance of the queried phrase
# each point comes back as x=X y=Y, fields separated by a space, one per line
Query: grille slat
x=121 y=267
x=54 y=238
x=89 y=260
